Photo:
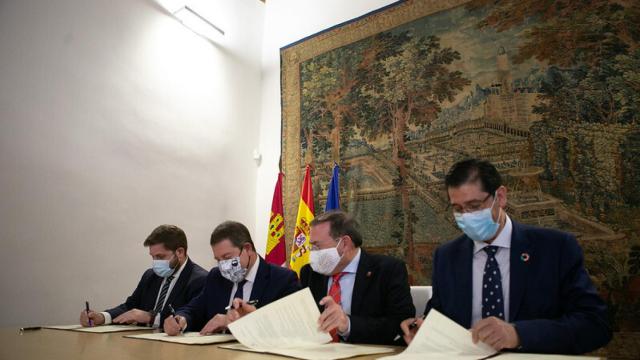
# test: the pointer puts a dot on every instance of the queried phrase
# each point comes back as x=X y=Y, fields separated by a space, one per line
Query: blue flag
x=333 y=198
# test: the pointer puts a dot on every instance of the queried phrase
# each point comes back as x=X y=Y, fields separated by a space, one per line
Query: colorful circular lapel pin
x=524 y=257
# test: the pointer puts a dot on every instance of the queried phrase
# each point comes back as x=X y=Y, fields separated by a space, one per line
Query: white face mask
x=325 y=261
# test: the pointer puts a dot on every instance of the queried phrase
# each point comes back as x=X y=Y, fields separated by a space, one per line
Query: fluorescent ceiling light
x=198 y=24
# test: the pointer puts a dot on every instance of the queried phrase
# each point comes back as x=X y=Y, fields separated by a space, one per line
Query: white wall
x=287 y=21
x=114 y=118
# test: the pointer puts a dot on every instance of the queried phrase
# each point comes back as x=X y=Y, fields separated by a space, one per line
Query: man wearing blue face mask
x=241 y=278
x=515 y=286
x=173 y=279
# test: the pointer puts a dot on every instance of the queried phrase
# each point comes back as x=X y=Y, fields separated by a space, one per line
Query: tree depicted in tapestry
x=549 y=91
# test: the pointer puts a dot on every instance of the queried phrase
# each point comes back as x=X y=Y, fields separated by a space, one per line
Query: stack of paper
x=441 y=338
x=289 y=327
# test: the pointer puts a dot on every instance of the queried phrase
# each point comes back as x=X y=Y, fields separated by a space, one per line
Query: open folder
x=100 y=328
x=188 y=338
x=289 y=327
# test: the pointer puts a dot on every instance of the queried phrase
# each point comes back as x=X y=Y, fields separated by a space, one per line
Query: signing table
x=49 y=344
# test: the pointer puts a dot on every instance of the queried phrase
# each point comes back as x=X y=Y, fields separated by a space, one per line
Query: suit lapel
x=261 y=281
x=181 y=282
x=463 y=276
x=364 y=274
x=520 y=250
x=319 y=286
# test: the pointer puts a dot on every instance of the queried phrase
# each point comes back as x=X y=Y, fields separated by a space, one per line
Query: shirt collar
x=177 y=273
x=352 y=267
x=502 y=240
x=251 y=274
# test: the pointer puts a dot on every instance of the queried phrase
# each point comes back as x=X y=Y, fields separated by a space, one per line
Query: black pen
x=173 y=313
x=30 y=328
x=412 y=326
x=86 y=303
x=250 y=302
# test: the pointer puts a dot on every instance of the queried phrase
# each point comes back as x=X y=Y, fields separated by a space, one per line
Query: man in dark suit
x=516 y=286
x=363 y=297
x=174 y=279
x=240 y=277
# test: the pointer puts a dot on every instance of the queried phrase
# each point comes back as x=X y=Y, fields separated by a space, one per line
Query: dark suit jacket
x=188 y=286
x=553 y=304
x=381 y=298
x=271 y=283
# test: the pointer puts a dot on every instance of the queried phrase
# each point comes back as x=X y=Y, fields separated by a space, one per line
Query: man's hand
x=96 y=317
x=333 y=317
x=410 y=327
x=174 y=325
x=239 y=308
x=217 y=323
x=496 y=333
x=133 y=316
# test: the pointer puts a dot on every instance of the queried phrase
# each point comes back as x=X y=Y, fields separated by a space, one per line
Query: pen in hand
x=173 y=313
x=250 y=302
x=86 y=303
x=412 y=326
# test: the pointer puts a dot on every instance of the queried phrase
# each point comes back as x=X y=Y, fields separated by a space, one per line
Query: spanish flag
x=276 y=251
x=301 y=247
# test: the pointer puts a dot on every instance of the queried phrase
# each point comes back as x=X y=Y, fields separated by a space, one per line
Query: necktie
x=240 y=290
x=335 y=293
x=492 y=300
x=163 y=295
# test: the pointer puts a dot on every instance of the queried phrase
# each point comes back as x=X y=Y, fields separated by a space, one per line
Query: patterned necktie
x=240 y=290
x=163 y=295
x=492 y=300
x=335 y=293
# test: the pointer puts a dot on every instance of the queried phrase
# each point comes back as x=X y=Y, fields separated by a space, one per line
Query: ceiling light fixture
x=198 y=24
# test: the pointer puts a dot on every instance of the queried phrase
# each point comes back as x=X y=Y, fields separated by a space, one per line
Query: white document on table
x=289 y=327
x=188 y=338
x=99 y=329
x=441 y=338
x=523 y=356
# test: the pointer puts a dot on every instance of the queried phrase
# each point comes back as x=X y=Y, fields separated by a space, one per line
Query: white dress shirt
x=503 y=257
x=156 y=320
x=346 y=288
x=248 y=286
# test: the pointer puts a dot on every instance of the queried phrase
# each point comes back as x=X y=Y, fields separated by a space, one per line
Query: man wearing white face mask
x=363 y=297
x=515 y=286
x=241 y=277
x=173 y=279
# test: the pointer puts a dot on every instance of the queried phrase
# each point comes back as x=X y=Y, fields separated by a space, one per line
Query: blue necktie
x=240 y=290
x=492 y=300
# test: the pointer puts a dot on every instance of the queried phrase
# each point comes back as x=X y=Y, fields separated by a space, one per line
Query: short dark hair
x=234 y=231
x=472 y=170
x=171 y=236
x=340 y=224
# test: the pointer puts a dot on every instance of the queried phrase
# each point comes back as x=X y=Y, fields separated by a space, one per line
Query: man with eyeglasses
x=515 y=286
x=363 y=297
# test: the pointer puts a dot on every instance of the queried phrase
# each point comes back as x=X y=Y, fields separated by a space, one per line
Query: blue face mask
x=162 y=268
x=478 y=225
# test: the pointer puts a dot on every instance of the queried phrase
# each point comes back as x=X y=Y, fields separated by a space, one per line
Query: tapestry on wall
x=548 y=91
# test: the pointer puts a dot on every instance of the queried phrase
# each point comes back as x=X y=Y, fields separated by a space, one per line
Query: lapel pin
x=524 y=257
x=368 y=273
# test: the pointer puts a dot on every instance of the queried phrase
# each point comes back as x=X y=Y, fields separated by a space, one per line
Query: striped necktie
x=163 y=294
